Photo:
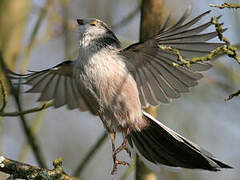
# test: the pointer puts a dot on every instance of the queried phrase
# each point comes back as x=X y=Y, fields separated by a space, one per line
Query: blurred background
x=38 y=34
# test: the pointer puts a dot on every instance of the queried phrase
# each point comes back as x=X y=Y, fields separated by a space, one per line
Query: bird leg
x=123 y=146
x=116 y=162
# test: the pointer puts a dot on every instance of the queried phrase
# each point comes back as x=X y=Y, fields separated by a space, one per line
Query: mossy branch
x=226 y=5
x=230 y=50
x=25 y=171
x=227 y=49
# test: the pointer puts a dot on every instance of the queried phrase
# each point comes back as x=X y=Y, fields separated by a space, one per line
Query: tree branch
x=233 y=95
x=27 y=130
x=126 y=19
x=226 y=5
x=152 y=16
x=25 y=171
x=227 y=49
x=32 y=110
x=4 y=95
x=30 y=45
x=90 y=154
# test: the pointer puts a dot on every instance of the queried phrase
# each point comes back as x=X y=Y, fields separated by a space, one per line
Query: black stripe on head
x=110 y=38
x=108 y=41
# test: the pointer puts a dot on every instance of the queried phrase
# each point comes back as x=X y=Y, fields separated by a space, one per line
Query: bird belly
x=112 y=94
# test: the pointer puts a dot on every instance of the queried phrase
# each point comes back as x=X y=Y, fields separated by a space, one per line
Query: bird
x=117 y=83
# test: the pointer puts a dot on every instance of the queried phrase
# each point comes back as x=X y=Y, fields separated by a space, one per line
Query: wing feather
x=71 y=101
x=175 y=82
x=163 y=84
x=57 y=83
x=157 y=79
x=185 y=26
x=140 y=90
x=48 y=93
x=59 y=98
x=146 y=89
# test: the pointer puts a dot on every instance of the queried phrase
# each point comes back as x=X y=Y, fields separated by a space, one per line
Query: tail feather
x=161 y=145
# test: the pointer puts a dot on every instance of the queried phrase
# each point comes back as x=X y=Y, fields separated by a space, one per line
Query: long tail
x=161 y=145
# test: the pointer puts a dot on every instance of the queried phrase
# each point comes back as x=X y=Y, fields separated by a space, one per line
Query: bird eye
x=94 y=23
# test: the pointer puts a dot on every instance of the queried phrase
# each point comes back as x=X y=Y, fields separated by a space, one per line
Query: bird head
x=94 y=32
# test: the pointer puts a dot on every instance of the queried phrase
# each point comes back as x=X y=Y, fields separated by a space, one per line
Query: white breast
x=111 y=89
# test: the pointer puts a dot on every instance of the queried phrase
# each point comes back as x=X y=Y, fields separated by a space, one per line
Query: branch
x=25 y=171
x=32 y=110
x=144 y=173
x=233 y=95
x=127 y=19
x=90 y=154
x=227 y=49
x=34 y=32
x=27 y=130
x=4 y=95
x=226 y=5
x=230 y=50
x=152 y=15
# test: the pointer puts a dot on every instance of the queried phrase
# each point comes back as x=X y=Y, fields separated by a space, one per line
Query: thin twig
x=127 y=19
x=65 y=10
x=33 y=36
x=233 y=95
x=152 y=15
x=4 y=96
x=30 y=136
x=25 y=171
x=90 y=154
x=226 y=5
x=32 y=110
x=35 y=127
x=227 y=49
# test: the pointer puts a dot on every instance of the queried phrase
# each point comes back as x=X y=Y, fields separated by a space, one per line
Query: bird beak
x=80 y=22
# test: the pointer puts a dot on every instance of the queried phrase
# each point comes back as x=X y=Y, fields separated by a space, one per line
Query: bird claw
x=116 y=163
x=123 y=146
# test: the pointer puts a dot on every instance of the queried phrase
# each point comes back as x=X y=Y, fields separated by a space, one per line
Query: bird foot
x=122 y=147
x=116 y=163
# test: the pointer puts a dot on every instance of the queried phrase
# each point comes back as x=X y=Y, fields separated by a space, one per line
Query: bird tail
x=161 y=145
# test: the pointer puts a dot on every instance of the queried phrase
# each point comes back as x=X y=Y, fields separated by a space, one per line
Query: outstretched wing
x=157 y=79
x=57 y=84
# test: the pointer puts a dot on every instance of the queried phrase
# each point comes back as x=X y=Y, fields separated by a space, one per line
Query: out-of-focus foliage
x=13 y=20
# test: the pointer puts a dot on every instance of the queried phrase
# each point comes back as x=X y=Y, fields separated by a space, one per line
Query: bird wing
x=157 y=79
x=57 y=84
